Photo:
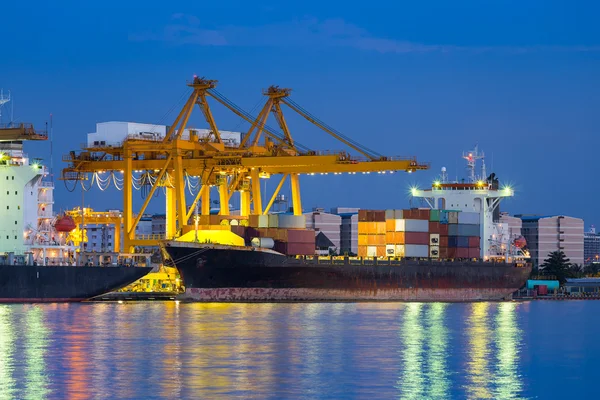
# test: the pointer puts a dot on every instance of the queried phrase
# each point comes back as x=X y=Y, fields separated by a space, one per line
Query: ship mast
x=3 y=100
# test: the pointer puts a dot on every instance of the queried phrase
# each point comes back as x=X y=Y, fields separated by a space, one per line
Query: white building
x=545 y=235
x=113 y=133
x=101 y=237
x=591 y=246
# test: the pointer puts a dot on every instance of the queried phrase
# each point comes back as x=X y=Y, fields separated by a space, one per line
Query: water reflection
x=172 y=350
x=508 y=336
x=36 y=343
x=424 y=372
x=479 y=347
x=7 y=383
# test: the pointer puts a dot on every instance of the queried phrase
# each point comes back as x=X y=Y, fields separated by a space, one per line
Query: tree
x=557 y=264
x=592 y=269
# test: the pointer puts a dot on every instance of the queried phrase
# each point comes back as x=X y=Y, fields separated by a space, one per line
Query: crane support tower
x=170 y=161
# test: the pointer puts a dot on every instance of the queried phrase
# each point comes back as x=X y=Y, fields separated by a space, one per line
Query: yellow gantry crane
x=182 y=153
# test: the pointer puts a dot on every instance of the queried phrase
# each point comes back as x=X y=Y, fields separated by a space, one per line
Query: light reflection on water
x=172 y=350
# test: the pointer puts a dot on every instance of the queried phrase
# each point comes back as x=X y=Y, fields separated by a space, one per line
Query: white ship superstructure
x=26 y=209
x=480 y=194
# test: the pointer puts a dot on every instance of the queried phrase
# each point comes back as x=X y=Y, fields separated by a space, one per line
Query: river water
x=539 y=349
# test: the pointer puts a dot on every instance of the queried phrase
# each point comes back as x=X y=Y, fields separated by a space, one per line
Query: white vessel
x=481 y=194
x=27 y=230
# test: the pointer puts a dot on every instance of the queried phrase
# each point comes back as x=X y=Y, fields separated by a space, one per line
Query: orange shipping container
x=390 y=225
x=390 y=238
x=399 y=238
x=362 y=251
x=380 y=228
x=380 y=240
x=381 y=251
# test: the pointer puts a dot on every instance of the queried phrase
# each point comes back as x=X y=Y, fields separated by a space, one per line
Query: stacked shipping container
x=371 y=233
x=419 y=233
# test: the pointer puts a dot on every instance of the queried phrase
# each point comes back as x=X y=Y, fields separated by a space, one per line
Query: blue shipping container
x=453 y=241
x=551 y=284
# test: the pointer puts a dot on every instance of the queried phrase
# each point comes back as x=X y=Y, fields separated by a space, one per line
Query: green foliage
x=558 y=265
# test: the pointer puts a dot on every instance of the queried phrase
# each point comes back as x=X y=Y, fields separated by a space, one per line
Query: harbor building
x=546 y=234
x=591 y=246
x=113 y=133
x=513 y=224
x=328 y=224
x=348 y=229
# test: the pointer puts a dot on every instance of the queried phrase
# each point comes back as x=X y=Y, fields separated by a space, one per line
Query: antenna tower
x=472 y=157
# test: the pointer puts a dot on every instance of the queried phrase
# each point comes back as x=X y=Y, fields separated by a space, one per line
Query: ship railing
x=46 y=184
x=340 y=260
x=151 y=236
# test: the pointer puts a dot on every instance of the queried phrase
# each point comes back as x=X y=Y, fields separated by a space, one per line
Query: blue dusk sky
x=427 y=78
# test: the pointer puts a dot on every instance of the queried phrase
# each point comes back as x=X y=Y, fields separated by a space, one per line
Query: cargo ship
x=455 y=249
x=38 y=258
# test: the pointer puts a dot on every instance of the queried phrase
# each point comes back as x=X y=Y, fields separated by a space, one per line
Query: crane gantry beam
x=217 y=164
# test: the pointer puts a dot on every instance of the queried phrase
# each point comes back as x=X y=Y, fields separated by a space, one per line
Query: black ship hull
x=228 y=274
x=36 y=284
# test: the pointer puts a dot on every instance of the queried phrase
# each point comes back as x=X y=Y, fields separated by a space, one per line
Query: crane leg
x=244 y=203
x=224 y=198
x=170 y=217
x=127 y=203
x=296 y=202
x=205 y=200
x=256 y=195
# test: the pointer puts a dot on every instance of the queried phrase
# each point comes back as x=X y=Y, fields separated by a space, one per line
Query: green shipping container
x=434 y=215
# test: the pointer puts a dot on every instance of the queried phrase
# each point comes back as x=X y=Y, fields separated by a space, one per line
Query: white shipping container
x=263 y=221
x=389 y=214
x=416 y=225
x=371 y=251
x=400 y=225
x=390 y=250
x=416 y=250
x=434 y=251
x=453 y=217
x=399 y=250
x=398 y=214
x=273 y=221
x=289 y=221
x=266 y=243
x=468 y=218
x=434 y=239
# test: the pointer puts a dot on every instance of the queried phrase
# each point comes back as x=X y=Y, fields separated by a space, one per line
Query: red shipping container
x=452 y=252
x=239 y=230
x=301 y=236
x=541 y=289
x=443 y=229
x=424 y=213
x=434 y=227
x=443 y=241
x=363 y=215
x=379 y=216
x=474 y=253
x=416 y=238
x=474 y=241
x=462 y=252
x=252 y=233
x=300 y=249
x=443 y=253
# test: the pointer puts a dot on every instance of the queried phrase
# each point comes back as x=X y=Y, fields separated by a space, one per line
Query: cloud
x=310 y=32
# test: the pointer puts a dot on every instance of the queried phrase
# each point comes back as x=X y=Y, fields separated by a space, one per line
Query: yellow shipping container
x=380 y=240
x=371 y=240
x=363 y=227
x=362 y=239
x=399 y=238
x=380 y=228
